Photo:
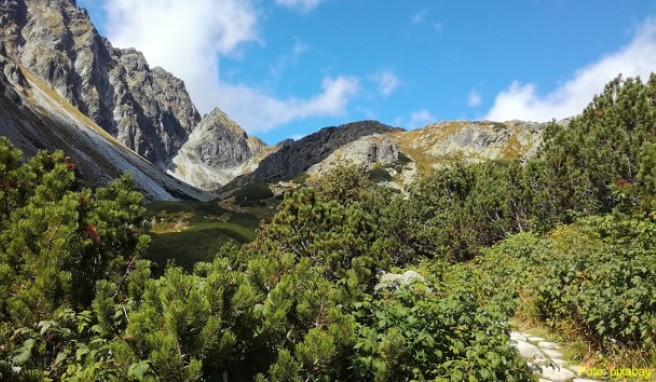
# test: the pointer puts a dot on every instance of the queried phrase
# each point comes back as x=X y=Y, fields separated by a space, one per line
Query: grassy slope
x=187 y=232
x=418 y=143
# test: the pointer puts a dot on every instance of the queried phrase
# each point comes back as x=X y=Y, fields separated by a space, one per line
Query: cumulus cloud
x=262 y=111
x=416 y=119
x=387 y=82
x=474 y=99
x=188 y=38
x=299 y=4
x=522 y=101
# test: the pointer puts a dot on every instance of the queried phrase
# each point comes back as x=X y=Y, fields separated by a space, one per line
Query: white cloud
x=188 y=38
x=419 y=17
x=522 y=101
x=417 y=119
x=305 y=5
x=387 y=82
x=288 y=60
x=474 y=99
x=184 y=37
x=259 y=111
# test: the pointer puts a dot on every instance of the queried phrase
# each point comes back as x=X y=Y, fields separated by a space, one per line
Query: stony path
x=545 y=359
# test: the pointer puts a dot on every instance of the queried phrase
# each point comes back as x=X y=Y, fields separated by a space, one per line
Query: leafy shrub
x=253 y=193
x=413 y=334
x=603 y=287
x=379 y=174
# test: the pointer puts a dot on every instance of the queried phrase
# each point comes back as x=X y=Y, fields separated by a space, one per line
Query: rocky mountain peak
x=217 y=150
x=218 y=141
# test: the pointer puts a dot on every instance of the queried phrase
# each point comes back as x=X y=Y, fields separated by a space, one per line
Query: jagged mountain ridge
x=146 y=109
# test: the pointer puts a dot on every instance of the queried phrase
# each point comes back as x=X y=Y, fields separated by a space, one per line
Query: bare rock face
x=217 y=151
x=488 y=140
x=35 y=117
x=147 y=109
x=364 y=152
x=293 y=158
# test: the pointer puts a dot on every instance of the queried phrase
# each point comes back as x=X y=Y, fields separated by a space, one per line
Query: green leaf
x=138 y=370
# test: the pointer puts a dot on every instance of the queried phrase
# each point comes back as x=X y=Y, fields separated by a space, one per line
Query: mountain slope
x=35 y=117
x=441 y=143
x=404 y=155
x=147 y=109
x=293 y=158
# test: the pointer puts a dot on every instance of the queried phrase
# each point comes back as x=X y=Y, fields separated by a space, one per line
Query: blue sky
x=285 y=68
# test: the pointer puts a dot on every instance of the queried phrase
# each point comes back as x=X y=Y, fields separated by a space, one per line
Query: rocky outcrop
x=146 y=109
x=217 y=151
x=364 y=152
x=293 y=158
x=442 y=143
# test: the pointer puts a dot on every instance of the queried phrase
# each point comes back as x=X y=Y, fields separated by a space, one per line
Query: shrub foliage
x=566 y=238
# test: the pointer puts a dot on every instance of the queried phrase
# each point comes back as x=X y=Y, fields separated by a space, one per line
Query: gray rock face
x=219 y=142
x=34 y=117
x=367 y=153
x=10 y=77
x=488 y=140
x=364 y=152
x=217 y=151
x=147 y=109
x=295 y=157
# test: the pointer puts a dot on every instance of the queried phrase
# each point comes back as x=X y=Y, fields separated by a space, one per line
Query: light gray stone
x=551 y=353
x=395 y=280
x=518 y=336
x=536 y=339
x=529 y=351
x=559 y=362
x=548 y=345
x=557 y=374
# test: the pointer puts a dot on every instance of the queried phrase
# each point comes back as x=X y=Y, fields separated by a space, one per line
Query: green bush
x=253 y=193
x=605 y=287
x=379 y=174
x=413 y=334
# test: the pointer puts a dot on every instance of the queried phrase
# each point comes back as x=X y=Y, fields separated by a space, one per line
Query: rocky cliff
x=217 y=151
x=364 y=152
x=146 y=109
x=293 y=158
x=36 y=117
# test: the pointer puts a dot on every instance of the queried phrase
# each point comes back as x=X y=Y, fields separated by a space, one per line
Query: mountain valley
x=141 y=240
